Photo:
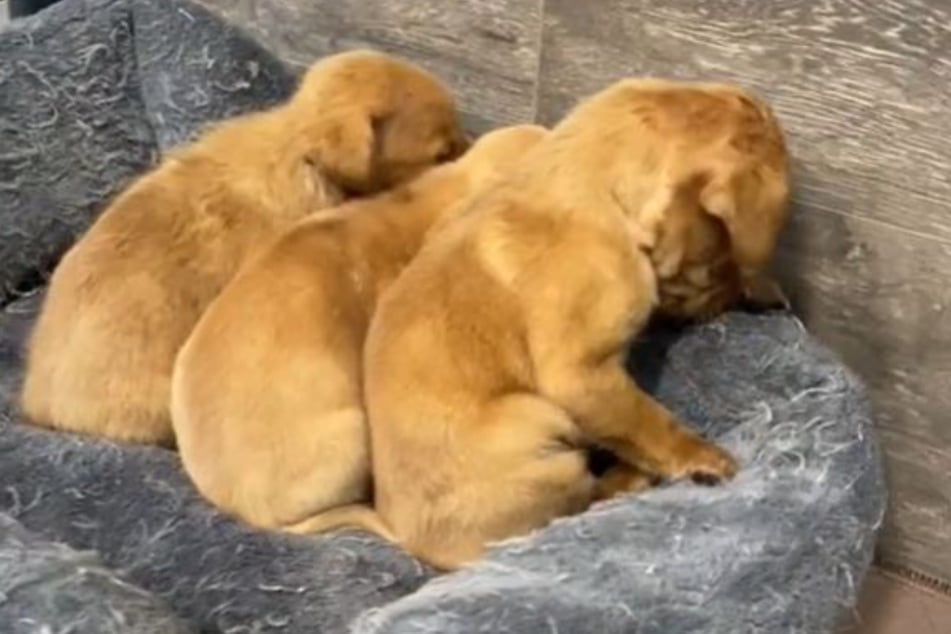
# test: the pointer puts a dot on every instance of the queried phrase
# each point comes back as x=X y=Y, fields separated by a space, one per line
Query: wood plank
x=891 y=605
x=862 y=86
x=487 y=50
x=862 y=89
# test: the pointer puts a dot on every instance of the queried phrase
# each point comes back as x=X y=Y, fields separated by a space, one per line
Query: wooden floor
x=890 y=605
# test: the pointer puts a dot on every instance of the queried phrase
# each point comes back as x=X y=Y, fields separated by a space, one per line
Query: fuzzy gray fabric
x=91 y=92
x=72 y=130
x=194 y=68
x=98 y=537
x=48 y=587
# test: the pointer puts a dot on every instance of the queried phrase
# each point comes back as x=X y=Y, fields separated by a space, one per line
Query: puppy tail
x=351 y=516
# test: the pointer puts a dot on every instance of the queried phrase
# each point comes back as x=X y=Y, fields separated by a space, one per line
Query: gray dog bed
x=102 y=538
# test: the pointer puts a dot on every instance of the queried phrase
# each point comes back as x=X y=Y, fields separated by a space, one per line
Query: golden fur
x=267 y=391
x=125 y=297
x=495 y=362
x=698 y=274
x=711 y=250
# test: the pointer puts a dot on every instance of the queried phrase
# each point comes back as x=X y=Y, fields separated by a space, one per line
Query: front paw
x=707 y=464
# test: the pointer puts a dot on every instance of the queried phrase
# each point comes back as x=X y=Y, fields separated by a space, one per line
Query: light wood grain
x=863 y=85
x=486 y=49
x=863 y=90
x=859 y=287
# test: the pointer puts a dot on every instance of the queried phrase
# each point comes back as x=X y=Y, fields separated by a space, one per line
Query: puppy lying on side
x=496 y=359
x=125 y=297
x=267 y=392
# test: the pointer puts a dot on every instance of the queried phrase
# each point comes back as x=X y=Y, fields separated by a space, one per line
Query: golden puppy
x=267 y=391
x=125 y=297
x=496 y=359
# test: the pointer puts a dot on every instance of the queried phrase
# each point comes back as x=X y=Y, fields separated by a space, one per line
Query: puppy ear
x=751 y=240
x=347 y=151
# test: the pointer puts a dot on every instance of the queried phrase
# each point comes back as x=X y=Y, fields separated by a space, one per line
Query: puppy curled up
x=495 y=361
x=267 y=392
x=127 y=294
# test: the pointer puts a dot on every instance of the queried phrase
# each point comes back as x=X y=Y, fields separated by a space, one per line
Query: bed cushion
x=49 y=587
x=73 y=130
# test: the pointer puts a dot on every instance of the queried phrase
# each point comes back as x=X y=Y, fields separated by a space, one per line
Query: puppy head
x=369 y=121
x=745 y=178
x=700 y=171
x=743 y=188
x=698 y=278
x=499 y=150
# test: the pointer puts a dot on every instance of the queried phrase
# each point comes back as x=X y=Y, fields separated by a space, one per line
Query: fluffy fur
x=698 y=274
x=496 y=360
x=717 y=214
x=280 y=454
x=125 y=297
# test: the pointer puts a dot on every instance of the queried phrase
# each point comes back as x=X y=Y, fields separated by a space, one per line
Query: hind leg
x=516 y=469
x=511 y=505
x=361 y=516
x=123 y=400
x=103 y=366
x=323 y=466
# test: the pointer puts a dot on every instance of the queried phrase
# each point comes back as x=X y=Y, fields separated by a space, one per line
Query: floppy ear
x=751 y=243
x=751 y=240
x=346 y=151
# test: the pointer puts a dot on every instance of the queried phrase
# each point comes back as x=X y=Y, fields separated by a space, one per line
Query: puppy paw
x=707 y=464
